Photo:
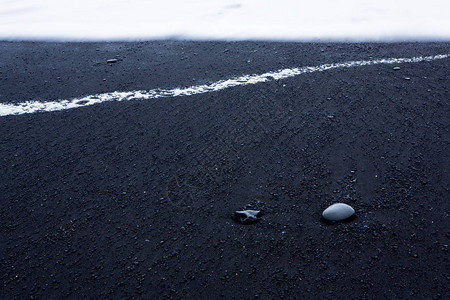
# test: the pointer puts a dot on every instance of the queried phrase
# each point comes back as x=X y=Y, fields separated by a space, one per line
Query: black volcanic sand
x=135 y=199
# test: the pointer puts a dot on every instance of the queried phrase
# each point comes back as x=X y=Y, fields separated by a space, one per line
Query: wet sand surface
x=135 y=199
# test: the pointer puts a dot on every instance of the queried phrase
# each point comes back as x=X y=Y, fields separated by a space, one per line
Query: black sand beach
x=134 y=199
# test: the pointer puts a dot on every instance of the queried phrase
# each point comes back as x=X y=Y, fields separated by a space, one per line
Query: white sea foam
x=225 y=19
x=35 y=106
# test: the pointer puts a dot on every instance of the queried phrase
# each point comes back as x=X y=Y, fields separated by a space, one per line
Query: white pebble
x=338 y=212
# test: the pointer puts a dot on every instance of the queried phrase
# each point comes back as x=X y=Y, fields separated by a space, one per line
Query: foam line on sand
x=37 y=106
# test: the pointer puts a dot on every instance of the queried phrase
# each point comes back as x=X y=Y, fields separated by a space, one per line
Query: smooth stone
x=396 y=68
x=338 y=212
x=247 y=216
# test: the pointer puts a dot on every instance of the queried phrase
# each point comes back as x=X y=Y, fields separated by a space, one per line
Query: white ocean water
x=344 y=20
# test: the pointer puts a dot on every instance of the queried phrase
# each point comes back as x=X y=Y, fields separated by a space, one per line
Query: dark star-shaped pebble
x=247 y=216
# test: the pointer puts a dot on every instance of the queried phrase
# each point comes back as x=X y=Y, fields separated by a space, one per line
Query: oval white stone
x=338 y=212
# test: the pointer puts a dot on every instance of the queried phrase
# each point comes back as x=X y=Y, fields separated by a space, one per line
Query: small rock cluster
x=334 y=213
